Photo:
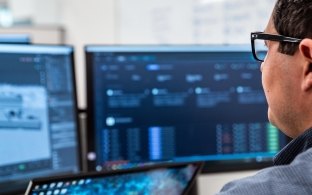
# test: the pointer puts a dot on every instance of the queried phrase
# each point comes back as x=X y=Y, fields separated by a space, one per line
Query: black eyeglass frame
x=269 y=37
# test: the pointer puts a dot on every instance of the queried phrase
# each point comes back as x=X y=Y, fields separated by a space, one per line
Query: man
x=287 y=83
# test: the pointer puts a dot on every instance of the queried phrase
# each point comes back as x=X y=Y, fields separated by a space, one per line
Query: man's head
x=287 y=68
x=292 y=18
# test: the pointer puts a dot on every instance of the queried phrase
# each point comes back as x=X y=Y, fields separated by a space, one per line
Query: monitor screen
x=38 y=120
x=180 y=103
x=173 y=179
x=15 y=39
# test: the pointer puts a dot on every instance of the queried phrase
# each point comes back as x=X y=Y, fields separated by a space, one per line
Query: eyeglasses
x=258 y=46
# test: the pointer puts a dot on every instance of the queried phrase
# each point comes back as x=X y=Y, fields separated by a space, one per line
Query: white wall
x=37 y=11
x=156 y=21
x=191 y=21
x=22 y=9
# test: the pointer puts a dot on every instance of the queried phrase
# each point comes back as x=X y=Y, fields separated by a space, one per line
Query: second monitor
x=177 y=103
x=38 y=121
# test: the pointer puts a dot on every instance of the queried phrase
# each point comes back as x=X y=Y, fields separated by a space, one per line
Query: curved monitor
x=38 y=121
x=177 y=103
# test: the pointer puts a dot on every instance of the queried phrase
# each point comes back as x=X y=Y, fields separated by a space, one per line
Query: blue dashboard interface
x=173 y=181
x=161 y=103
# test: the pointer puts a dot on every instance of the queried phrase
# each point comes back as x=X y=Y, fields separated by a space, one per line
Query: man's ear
x=305 y=48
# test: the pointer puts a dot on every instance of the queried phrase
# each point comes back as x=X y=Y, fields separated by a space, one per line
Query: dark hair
x=292 y=18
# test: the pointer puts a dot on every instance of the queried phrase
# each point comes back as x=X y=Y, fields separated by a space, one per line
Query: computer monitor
x=38 y=120
x=15 y=39
x=177 y=103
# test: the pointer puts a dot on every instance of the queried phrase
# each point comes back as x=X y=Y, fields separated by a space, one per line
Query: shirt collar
x=293 y=148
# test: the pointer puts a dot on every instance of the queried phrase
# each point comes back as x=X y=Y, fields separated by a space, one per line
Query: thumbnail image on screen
x=180 y=103
x=38 y=131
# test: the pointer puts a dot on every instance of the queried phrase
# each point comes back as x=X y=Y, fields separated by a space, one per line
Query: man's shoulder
x=294 y=178
x=296 y=147
x=303 y=157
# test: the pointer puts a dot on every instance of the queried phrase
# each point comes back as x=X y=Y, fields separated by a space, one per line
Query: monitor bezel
x=209 y=166
x=29 y=49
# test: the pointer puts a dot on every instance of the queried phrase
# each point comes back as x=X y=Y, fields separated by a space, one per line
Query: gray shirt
x=292 y=173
